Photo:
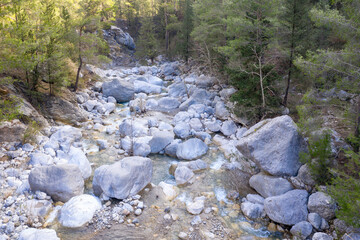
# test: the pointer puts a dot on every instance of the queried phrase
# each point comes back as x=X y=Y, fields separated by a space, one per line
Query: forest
x=296 y=57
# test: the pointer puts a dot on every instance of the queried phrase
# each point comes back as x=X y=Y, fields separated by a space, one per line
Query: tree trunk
x=291 y=55
x=80 y=62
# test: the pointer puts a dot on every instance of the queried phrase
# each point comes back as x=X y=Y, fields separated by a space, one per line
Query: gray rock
x=79 y=210
x=289 y=208
x=227 y=92
x=123 y=38
x=315 y=220
x=269 y=186
x=274 y=145
x=240 y=132
x=181 y=117
x=37 y=208
x=170 y=69
x=61 y=182
x=196 y=221
x=321 y=236
x=111 y=99
x=78 y=158
x=199 y=96
x=177 y=89
x=171 y=149
x=141 y=149
x=12 y=131
x=38 y=234
x=191 y=149
x=168 y=103
x=144 y=87
x=90 y=105
x=213 y=126
x=221 y=111
x=322 y=204
x=351 y=236
x=182 y=130
x=124 y=178
x=228 y=128
x=66 y=133
x=253 y=210
x=122 y=91
x=151 y=104
x=194 y=166
x=198 y=108
x=163 y=126
x=103 y=144
x=255 y=198
x=40 y=159
x=133 y=128
x=109 y=108
x=301 y=230
x=196 y=124
x=305 y=177
x=27 y=147
x=183 y=175
x=160 y=140
x=205 y=81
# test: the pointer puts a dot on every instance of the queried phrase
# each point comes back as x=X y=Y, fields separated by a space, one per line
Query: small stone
x=182 y=235
x=138 y=212
x=167 y=217
x=196 y=220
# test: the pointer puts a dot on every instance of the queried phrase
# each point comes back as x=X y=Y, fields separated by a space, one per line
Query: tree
x=295 y=26
x=147 y=44
x=251 y=67
x=186 y=29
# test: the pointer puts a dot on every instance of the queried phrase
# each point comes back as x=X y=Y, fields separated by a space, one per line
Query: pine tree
x=147 y=44
x=186 y=29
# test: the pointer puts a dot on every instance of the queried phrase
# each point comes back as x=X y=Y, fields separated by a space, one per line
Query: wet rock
x=228 y=128
x=79 y=210
x=38 y=234
x=160 y=140
x=191 y=149
x=122 y=91
x=322 y=204
x=197 y=206
x=253 y=210
x=40 y=159
x=274 y=145
x=61 y=182
x=321 y=236
x=301 y=230
x=182 y=130
x=124 y=178
x=183 y=175
x=269 y=186
x=289 y=208
x=168 y=103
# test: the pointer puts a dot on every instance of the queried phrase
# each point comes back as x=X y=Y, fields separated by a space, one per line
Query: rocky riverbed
x=161 y=157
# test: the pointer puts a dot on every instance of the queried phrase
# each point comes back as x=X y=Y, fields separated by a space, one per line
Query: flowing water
x=226 y=222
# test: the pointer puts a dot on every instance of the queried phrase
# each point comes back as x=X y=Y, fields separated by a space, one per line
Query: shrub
x=9 y=109
x=31 y=131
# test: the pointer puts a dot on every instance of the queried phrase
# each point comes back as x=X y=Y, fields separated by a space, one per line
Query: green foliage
x=31 y=131
x=147 y=43
x=319 y=158
x=9 y=109
x=345 y=189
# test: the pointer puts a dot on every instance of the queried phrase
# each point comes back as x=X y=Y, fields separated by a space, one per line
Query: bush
x=31 y=131
x=319 y=158
x=345 y=189
x=9 y=109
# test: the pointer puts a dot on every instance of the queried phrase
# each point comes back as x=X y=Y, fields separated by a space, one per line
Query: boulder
x=228 y=128
x=170 y=191
x=253 y=210
x=269 y=186
x=274 y=145
x=199 y=96
x=90 y=105
x=181 y=117
x=169 y=69
x=133 y=128
x=196 y=124
x=79 y=210
x=255 y=198
x=191 y=149
x=66 y=133
x=213 y=126
x=109 y=108
x=182 y=130
x=194 y=166
x=38 y=234
x=183 y=175
x=168 y=103
x=205 y=81
x=160 y=140
x=61 y=182
x=122 y=37
x=12 y=131
x=305 y=177
x=171 y=149
x=289 y=208
x=178 y=89
x=322 y=204
x=301 y=230
x=315 y=220
x=141 y=148
x=124 y=178
x=78 y=158
x=144 y=87
x=122 y=91
x=322 y=236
